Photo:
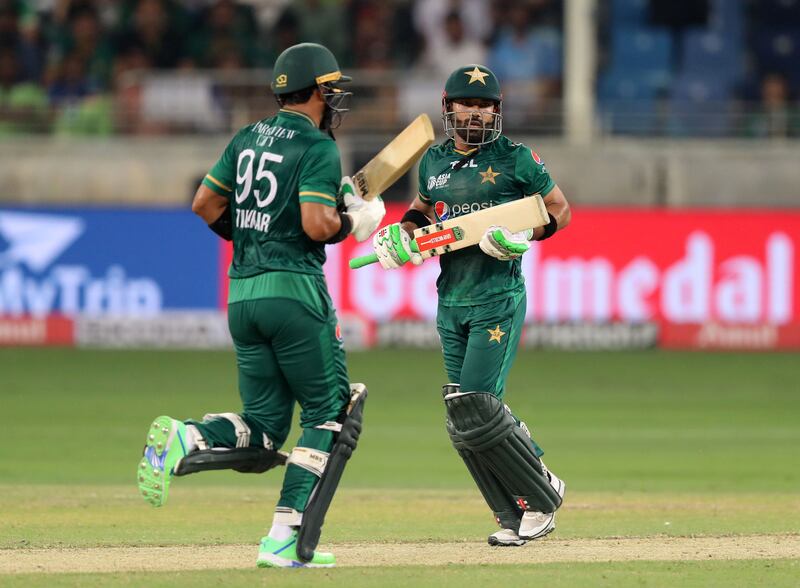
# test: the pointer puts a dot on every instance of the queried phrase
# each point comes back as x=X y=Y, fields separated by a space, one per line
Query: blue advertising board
x=105 y=262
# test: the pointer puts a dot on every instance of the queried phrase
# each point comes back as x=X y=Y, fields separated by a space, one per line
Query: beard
x=473 y=134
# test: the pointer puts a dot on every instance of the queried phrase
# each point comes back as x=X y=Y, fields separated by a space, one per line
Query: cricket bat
x=463 y=231
x=395 y=159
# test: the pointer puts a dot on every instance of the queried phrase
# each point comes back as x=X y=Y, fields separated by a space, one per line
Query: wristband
x=415 y=216
x=550 y=228
x=223 y=226
x=346 y=229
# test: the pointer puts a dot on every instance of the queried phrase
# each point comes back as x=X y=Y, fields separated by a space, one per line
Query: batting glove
x=502 y=244
x=392 y=245
x=365 y=214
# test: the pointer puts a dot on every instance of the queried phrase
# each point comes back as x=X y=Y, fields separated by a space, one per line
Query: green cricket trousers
x=288 y=349
x=479 y=343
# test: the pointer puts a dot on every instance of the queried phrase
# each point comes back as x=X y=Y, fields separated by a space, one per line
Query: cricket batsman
x=482 y=297
x=278 y=193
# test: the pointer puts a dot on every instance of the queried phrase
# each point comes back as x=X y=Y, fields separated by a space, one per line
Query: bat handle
x=358 y=262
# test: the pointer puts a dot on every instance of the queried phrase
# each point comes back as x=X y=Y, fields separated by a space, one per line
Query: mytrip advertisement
x=100 y=266
x=615 y=278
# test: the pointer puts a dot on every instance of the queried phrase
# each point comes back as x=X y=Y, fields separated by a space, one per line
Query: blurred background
x=671 y=125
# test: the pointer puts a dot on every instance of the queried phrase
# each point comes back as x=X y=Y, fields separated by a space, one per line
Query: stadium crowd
x=66 y=65
x=61 y=61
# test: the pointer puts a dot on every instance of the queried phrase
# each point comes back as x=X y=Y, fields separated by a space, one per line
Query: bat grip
x=358 y=262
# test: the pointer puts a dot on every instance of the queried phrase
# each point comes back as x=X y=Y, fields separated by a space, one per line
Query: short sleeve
x=422 y=188
x=222 y=176
x=532 y=173
x=320 y=174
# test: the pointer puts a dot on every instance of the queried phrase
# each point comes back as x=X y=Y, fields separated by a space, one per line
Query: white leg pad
x=309 y=459
x=287 y=516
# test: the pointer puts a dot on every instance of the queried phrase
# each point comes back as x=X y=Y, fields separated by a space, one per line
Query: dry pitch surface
x=126 y=559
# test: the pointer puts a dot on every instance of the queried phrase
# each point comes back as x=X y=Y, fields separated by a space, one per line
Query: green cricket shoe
x=164 y=446
x=283 y=554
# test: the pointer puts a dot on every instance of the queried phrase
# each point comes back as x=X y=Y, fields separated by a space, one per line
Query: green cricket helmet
x=307 y=65
x=476 y=82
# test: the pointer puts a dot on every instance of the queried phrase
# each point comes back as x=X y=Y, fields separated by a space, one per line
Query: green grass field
x=656 y=448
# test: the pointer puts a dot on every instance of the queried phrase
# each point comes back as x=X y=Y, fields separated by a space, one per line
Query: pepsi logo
x=442 y=210
x=536 y=157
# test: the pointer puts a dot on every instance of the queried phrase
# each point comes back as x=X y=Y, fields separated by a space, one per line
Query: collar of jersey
x=460 y=152
x=300 y=114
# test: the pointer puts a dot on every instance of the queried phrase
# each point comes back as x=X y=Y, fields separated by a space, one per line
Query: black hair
x=298 y=97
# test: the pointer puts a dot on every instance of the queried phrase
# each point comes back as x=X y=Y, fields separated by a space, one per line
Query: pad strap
x=330 y=426
x=287 y=516
x=239 y=426
x=312 y=460
x=194 y=433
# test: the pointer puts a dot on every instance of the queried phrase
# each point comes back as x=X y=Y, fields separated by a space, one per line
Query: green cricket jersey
x=266 y=171
x=456 y=183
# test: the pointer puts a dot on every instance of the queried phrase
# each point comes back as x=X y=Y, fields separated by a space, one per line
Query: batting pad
x=344 y=445
x=485 y=429
x=506 y=511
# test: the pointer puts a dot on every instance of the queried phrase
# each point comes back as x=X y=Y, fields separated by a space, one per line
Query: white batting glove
x=392 y=245
x=502 y=244
x=366 y=215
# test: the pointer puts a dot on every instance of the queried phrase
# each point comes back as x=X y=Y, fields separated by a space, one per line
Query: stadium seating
x=777 y=49
x=711 y=53
x=700 y=105
x=630 y=12
x=627 y=103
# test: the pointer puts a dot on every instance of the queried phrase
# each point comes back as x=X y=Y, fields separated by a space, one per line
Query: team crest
x=339 y=337
x=442 y=210
x=281 y=81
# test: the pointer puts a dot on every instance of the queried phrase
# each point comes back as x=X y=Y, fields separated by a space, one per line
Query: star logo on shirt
x=489 y=175
x=495 y=334
x=476 y=75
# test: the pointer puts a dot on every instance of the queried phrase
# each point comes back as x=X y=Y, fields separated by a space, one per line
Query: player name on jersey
x=252 y=219
x=274 y=131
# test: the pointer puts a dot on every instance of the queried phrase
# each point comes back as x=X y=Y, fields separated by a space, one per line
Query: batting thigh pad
x=345 y=442
x=484 y=428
